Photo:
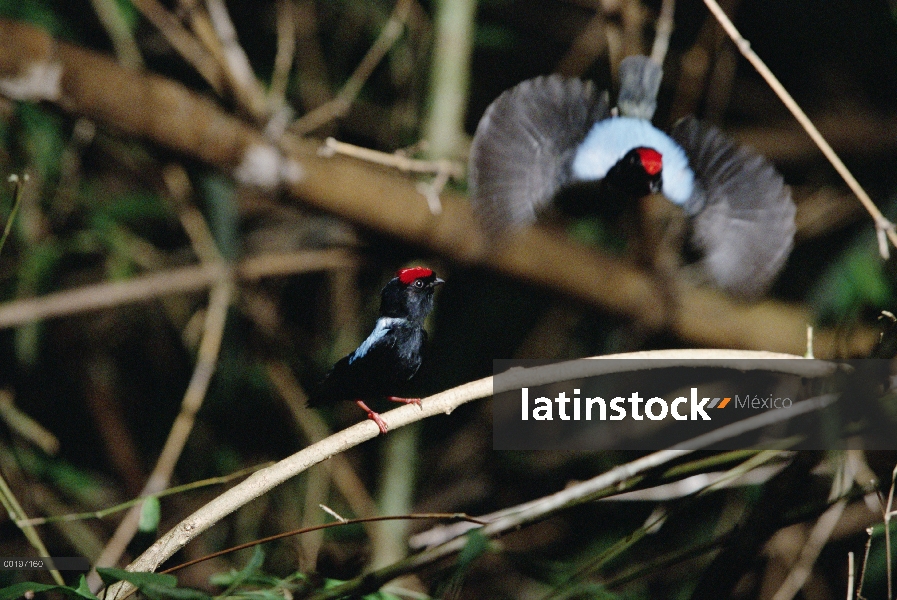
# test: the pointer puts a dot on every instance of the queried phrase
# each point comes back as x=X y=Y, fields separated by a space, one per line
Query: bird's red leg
x=404 y=400
x=375 y=417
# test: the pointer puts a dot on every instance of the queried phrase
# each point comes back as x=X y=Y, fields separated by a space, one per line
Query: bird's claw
x=406 y=401
x=373 y=416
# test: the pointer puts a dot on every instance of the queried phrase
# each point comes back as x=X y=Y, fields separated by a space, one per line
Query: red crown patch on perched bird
x=651 y=160
x=410 y=274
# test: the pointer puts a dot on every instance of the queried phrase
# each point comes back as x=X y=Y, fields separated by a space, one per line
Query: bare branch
x=338 y=107
x=445 y=402
x=183 y=41
x=173 y=281
x=882 y=224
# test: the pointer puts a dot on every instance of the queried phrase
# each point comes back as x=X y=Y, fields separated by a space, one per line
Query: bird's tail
x=639 y=83
x=524 y=146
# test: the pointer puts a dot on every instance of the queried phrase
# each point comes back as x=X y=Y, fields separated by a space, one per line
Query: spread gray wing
x=743 y=223
x=524 y=145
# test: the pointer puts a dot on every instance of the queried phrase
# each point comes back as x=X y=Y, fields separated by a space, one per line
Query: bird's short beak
x=438 y=281
x=656 y=186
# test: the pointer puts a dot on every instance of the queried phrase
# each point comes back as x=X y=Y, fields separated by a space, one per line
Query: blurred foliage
x=108 y=384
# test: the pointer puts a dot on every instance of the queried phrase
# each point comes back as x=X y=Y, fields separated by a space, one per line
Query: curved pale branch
x=445 y=402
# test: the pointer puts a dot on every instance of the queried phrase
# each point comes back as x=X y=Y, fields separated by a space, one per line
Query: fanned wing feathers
x=745 y=228
x=524 y=146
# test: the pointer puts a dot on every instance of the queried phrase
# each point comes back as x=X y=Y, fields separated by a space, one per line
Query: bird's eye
x=419 y=283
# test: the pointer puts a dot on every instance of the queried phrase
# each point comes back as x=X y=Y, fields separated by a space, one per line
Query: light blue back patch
x=609 y=140
x=380 y=329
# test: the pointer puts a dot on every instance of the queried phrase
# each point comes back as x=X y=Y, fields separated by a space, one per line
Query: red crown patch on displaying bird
x=408 y=275
x=651 y=160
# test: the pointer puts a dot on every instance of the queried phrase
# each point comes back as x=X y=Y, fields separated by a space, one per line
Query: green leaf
x=36 y=12
x=83 y=590
x=20 y=589
x=110 y=575
x=165 y=593
x=128 y=13
x=476 y=545
x=855 y=280
x=43 y=139
x=155 y=586
x=234 y=579
x=150 y=514
x=224 y=219
x=136 y=206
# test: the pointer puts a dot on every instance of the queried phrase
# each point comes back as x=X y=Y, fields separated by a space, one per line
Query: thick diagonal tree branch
x=35 y=67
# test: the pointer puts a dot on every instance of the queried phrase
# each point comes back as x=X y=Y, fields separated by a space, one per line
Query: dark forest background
x=94 y=377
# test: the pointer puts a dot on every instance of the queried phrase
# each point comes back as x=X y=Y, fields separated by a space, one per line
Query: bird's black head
x=638 y=173
x=409 y=295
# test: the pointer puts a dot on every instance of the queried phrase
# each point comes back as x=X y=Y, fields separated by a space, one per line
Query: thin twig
x=18 y=187
x=236 y=63
x=23 y=425
x=110 y=15
x=100 y=514
x=883 y=226
x=339 y=523
x=865 y=563
x=17 y=514
x=207 y=358
x=200 y=24
x=819 y=535
x=445 y=402
x=333 y=513
x=172 y=281
x=339 y=106
x=396 y=160
x=432 y=189
x=665 y=25
x=286 y=51
x=192 y=220
x=183 y=41
x=443 y=168
x=887 y=519
x=850 y=575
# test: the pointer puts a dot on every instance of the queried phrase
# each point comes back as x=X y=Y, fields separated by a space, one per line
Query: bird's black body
x=382 y=369
x=391 y=355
